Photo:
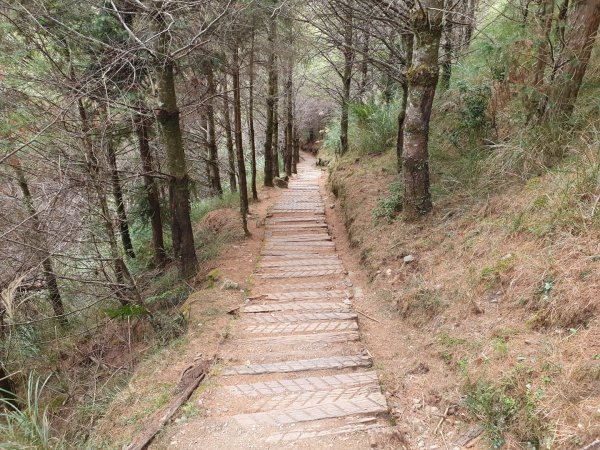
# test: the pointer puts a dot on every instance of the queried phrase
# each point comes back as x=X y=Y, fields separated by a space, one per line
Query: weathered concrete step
x=318 y=219
x=372 y=424
x=303 y=339
x=300 y=286
x=302 y=385
x=284 y=244
x=268 y=262
x=253 y=319
x=302 y=327
x=314 y=239
x=294 y=226
x=298 y=306
x=335 y=362
x=373 y=403
x=303 y=273
x=338 y=293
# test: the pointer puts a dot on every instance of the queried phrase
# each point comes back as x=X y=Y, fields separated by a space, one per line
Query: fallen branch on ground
x=190 y=379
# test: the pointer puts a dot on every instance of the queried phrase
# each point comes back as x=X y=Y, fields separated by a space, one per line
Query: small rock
x=229 y=285
x=409 y=258
x=388 y=272
x=332 y=205
x=280 y=182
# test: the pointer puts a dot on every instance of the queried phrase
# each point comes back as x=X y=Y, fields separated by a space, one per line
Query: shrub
x=390 y=206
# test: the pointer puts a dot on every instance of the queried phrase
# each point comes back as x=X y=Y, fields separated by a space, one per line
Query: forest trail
x=295 y=372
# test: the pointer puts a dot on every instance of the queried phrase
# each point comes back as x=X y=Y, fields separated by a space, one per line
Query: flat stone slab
x=301 y=317
x=302 y=385
x=302 y=327
x=367 y=404
x=302 y=339
x=337 y=362
x=298 y=306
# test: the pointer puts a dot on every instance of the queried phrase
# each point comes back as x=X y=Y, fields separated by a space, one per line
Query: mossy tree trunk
x=213 y=151
x=143 y=123
x=251 y=134
x=239 y=148
x=447 y=49
x=580 y=35
x=179 y=191
x=229 y=136
x=422 y=77
x=271 y=73
x=407 y=44
x=348 y=54
x=117 y=191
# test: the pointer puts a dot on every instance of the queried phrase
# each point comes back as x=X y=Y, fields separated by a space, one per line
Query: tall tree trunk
x=447 y=47
x=470 y=23
x=422 y=77
x=213 y=151
x=571 y=66
x=251 y=118
x=126 y=284
x=54 y=296
x=229 y=136
x=407 y=44
x=289 y=124
x=364 y=67
x=296 y=143
x=348 y=54
x=142 y=128
x=239 y=148
x=537 y=102
x=271 y=72
x=118 y=196
x=179 y=191
x=276 y=121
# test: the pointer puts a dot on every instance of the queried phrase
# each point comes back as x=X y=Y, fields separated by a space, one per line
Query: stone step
x=335 y=362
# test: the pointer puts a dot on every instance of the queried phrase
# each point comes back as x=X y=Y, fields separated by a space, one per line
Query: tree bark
x=271 y=72
x=251 y=119
x=54 y=296
x=213 y=151
x=296 y=158
x=407 y=43
x=142 y=128
x=229 y=136
x=276 y=121
x=447 y=47
x=348 y=54
x=289 y=124
x=237 y=112
x=422 y=77
x=179 y=191
x=118 y=196
x=571 y=66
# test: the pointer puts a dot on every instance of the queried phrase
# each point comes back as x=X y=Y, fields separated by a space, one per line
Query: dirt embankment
x=483 y=314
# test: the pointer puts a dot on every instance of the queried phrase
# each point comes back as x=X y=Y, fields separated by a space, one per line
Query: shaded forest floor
x=485 y=313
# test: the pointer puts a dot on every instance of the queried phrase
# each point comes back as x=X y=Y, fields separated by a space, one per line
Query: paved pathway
x=295 y=373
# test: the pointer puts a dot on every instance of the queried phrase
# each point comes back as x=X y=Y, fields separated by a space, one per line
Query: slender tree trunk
x=271 y=72
x=251 y=119
x=348 y=54
x=179 y=191
x=276 y=122
x=54 y=296
x=289 y=125
x=447 y=47
x=296 y=159
x=571 y=66
x=470 y=23
x=125 y=281
x=407 y=44
x=213 y=151
x=364 y=67
x=229 y=136
x=142 y=128
x=537 y=102
x=118 y=196
x=422 y=77
x=239 y=149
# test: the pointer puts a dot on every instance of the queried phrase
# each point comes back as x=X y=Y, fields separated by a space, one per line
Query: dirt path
x=295 y=373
